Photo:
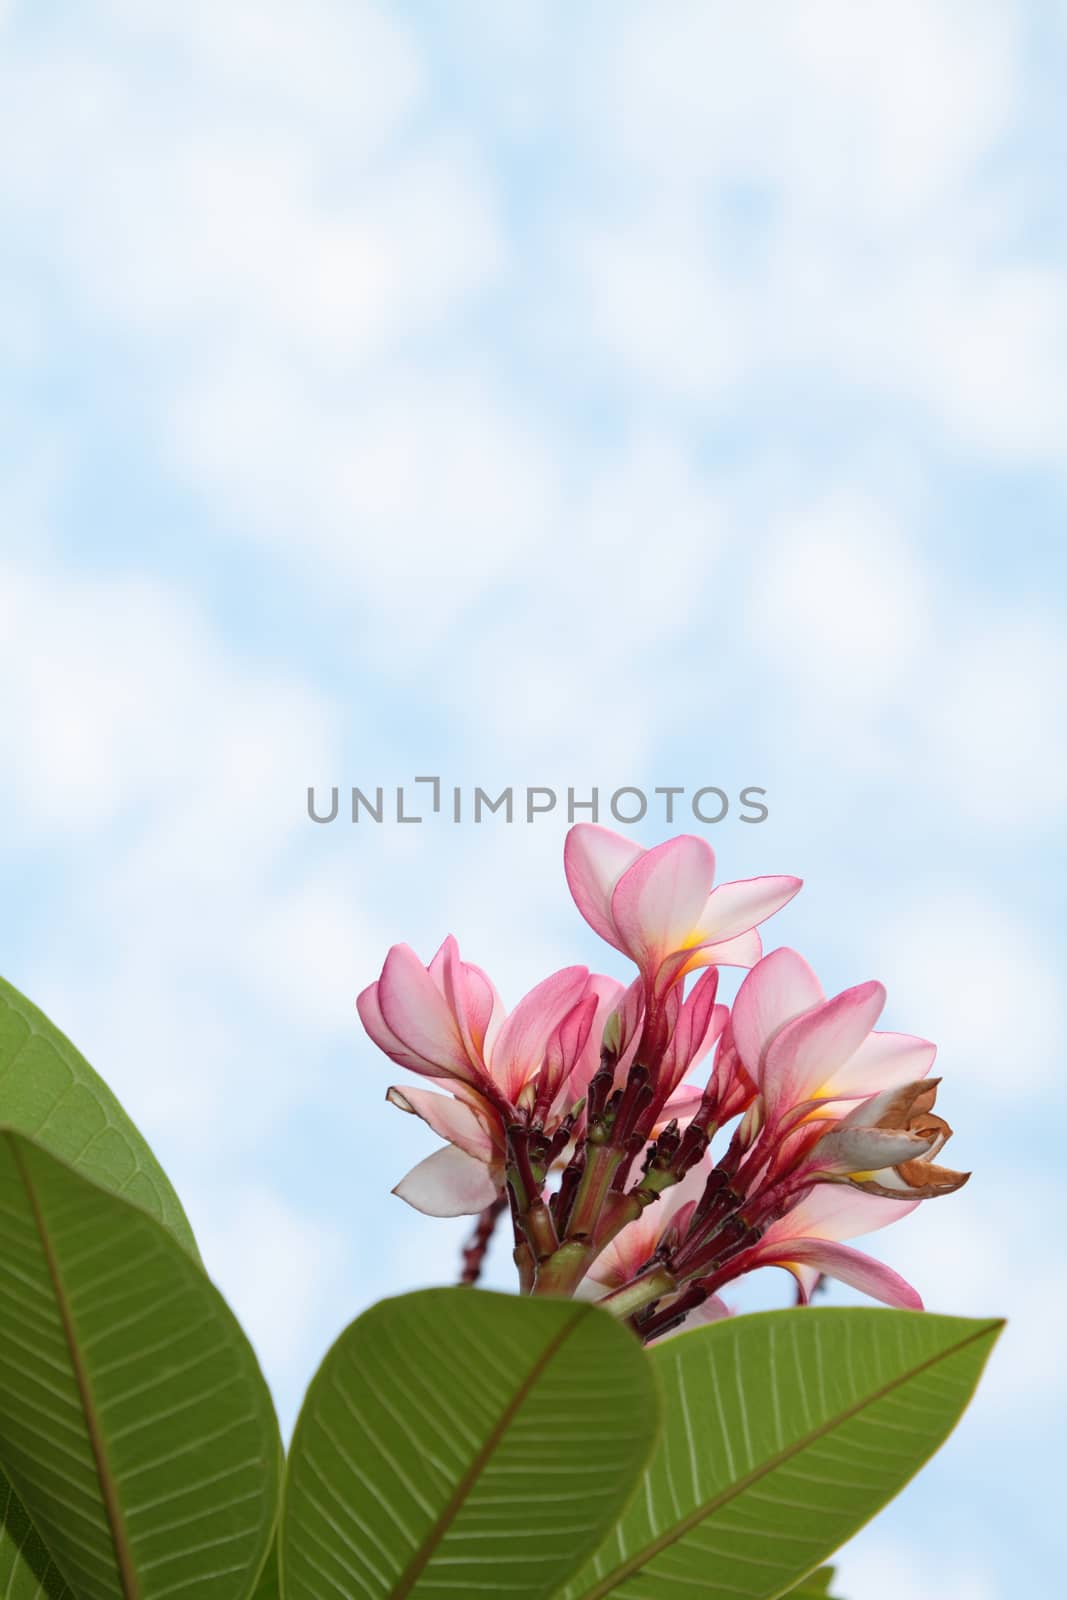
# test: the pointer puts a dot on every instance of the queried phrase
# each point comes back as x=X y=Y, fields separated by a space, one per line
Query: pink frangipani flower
x=446 y=1022
x=439 y=1020
x=803 y=1049
x=658 y=906
x=578 y=1106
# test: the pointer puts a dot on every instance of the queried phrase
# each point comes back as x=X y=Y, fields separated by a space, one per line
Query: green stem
x=601 y=1165
x=524 y=1261
x=652 y=1284
x=539 y=1229
x=622 y=1209
x=563 y=1271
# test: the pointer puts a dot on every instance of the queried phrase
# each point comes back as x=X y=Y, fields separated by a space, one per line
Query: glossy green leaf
x=783 y=1433
x=458 y=1444
x=135 y=1425
x=51 y=1093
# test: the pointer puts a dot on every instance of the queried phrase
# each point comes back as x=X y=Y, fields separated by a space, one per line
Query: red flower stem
x=525 y=1184
x=474 y=1251
x=671 y=1315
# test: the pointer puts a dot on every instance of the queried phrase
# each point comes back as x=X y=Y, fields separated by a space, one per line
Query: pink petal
x=470 y=992
x=710 y=1310
x=436 y=966
x=565 y=1048
x=609 y=993
x=706 y=1019
x=713 y=1309
x=448 y=1184
x=631 y=1248
x=807 y=1280
x=734 y=908
x=780 y=987
x=884 y=1061
x=808 y=1051
x=487 y=1009
x=448 y=1118
x=523 y=1039
x=631 y=1023
x=471 y=998
x=743 y=951
x=698 y=1025
x=594 y=860
x=659 y=900
x=836 y=1211
x=370 y=1014
x=416 y=1011
x=681 y=1103
x=852 y=1267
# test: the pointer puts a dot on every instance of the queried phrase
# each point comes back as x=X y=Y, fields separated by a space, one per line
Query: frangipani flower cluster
x=652 y=1144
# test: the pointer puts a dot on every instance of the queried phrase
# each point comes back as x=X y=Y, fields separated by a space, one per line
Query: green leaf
x=269 y=1587
x=27 y=1571
x=135 y=1425
x=455 y=1443
x=51 y=1093
x=816 y=1586
x=784 y=1432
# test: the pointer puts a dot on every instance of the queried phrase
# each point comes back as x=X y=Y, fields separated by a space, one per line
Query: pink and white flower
x=447 y=1023
x=805 y=1051
x=659 y=906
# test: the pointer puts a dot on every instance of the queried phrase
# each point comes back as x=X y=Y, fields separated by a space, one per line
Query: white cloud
x=182 y=208
x=348 y=64
x=971 y=973
x=131 y=705
x=994 y=711
x=417 y=497
x=810 y=195
x=623 y=577
x=258 y=216
x=839 y=598
x=812 y=99
x=163 y=777
x=662 y=304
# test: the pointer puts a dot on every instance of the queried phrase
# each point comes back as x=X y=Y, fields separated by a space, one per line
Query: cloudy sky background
x=529 y=394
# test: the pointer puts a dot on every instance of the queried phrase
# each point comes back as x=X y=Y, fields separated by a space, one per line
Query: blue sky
x=633 y=394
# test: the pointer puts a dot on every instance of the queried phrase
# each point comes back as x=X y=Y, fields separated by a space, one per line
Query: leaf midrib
x=420 y=1560
x=708 y=1508
x=116 y=1524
